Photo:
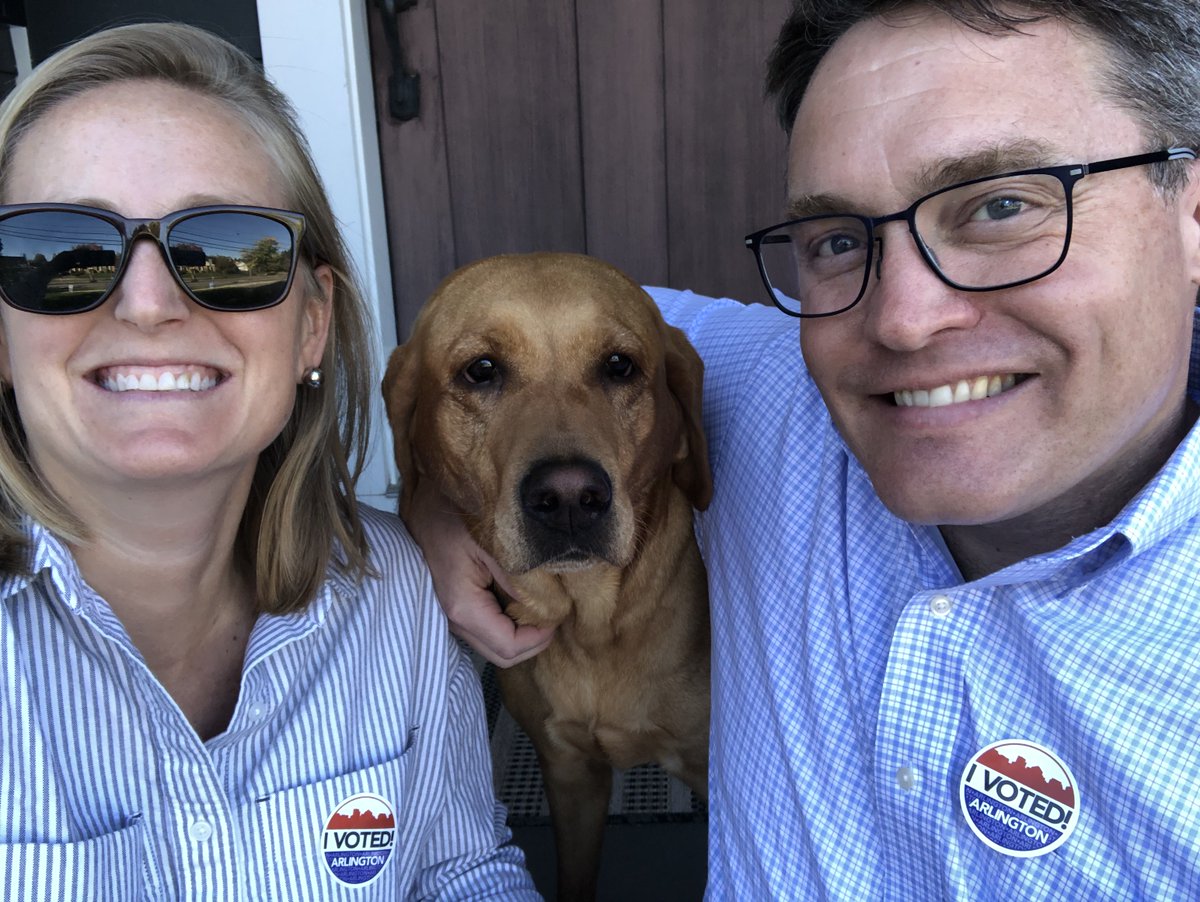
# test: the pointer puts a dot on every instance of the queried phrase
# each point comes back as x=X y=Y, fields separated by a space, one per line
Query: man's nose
x=147 y=294
x=906 y=302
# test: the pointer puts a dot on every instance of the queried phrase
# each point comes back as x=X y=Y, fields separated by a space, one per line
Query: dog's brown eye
x=481 y=370
x=618 y=366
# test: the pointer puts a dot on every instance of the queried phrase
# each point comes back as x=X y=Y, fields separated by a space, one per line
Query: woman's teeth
x=157 y=381
x=963 y=390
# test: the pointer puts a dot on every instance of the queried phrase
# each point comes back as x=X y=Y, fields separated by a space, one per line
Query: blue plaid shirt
x=856 y=675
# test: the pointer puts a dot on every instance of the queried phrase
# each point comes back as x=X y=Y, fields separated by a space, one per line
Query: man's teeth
x=963 y=390
x=165 y=381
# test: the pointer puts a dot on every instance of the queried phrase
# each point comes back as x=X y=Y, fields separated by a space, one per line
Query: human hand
x=463 y=574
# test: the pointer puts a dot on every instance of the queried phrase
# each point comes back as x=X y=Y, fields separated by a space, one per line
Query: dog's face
x=546 y=397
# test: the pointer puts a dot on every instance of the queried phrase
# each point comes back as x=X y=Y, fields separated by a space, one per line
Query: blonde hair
x=302 y=512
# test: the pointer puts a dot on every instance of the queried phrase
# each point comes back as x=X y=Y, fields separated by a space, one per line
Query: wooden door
x=634 y=130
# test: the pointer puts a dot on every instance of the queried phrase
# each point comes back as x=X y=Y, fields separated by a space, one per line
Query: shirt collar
x=1172 y=497
x=47 y=555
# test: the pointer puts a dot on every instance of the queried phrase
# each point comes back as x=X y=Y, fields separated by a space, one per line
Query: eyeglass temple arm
x=1141 y=159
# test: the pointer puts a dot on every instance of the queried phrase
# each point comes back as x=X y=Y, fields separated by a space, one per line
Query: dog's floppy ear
x=400 y=399
x=685 y=379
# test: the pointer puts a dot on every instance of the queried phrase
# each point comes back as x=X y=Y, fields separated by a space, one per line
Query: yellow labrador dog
x=545 y=396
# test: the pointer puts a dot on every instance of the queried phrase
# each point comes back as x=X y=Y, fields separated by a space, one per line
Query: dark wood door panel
x=511 y=107
x=632 y=130
x=416 y=181
x=725 y=152
x=624 y=135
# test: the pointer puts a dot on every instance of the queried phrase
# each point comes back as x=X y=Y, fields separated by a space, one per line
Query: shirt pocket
x=108 y=867
x=343 y=837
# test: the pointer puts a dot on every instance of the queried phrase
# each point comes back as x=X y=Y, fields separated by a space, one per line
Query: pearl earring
x=314 y=377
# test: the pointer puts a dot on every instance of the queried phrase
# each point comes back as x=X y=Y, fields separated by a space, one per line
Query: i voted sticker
x=1019 y=798
x=358 y=839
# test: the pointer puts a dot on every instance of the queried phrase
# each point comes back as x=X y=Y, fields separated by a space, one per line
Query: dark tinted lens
x=57 y=261
x=233 y=260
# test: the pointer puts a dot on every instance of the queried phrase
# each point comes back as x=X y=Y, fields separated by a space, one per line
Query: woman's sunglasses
x=65 y=258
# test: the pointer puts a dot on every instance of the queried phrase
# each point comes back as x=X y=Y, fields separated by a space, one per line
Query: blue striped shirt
x=361 y=706
x=857 y=677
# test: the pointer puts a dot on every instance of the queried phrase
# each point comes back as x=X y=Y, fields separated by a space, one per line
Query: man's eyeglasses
x=994 y=232
x=65 y=258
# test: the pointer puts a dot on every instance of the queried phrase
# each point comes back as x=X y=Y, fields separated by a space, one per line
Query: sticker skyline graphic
x=1019 y=798
x=358 y=839
x=1042 y=773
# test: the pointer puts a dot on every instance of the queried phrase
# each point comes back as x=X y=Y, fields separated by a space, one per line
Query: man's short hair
x=1153 y=50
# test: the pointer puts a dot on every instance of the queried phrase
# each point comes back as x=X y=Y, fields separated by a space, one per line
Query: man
x=952 y=550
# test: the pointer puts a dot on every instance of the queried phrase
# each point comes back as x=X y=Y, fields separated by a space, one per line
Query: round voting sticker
x=1019 y=798
x=358 y=839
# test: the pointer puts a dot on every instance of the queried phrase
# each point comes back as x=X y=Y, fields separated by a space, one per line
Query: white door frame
x=318 y=54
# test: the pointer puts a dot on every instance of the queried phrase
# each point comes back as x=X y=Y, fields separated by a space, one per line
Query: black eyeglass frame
x=158 y=230
x=1068 y=174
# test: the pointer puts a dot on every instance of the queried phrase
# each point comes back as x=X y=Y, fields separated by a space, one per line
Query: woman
x=219 y=676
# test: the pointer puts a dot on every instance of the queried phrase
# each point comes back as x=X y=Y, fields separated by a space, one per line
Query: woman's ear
x=317 y=315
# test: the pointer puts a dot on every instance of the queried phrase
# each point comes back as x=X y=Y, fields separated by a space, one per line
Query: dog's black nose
x=567 y=496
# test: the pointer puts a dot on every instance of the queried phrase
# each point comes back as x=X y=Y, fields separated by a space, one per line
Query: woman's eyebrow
x=184 y=203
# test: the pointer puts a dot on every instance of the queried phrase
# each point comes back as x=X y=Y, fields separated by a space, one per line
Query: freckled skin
x=133 y=151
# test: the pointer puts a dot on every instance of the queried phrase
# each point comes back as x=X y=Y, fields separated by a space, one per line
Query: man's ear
x=1189 y=214
x=318 y=313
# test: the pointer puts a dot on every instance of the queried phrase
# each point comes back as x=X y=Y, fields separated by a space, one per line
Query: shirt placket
x=191 y=830
x=920 y=714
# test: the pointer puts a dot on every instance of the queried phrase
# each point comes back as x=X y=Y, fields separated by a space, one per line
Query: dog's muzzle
x=565 y=506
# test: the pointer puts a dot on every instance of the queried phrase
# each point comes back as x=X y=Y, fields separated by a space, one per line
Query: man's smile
x=974 y=389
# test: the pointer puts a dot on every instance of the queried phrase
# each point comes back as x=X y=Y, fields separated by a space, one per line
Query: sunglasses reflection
x=217 y=273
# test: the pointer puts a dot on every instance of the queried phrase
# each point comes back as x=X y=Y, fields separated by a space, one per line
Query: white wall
x=20 y=43
x=317 y=54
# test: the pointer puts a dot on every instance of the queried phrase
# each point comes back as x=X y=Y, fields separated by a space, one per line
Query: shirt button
x=940 y=606
x=200 y=830
x=907 y=777
x=258 y=710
